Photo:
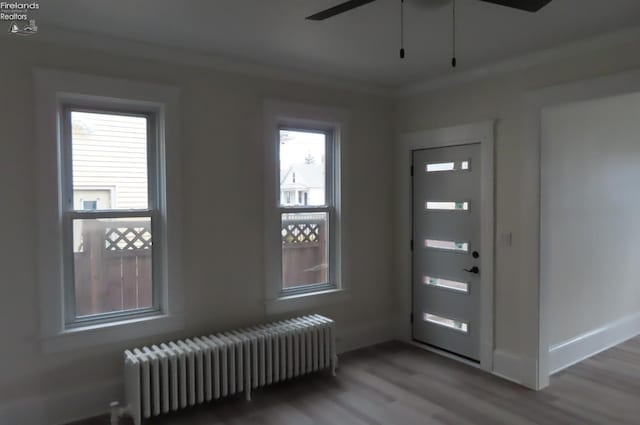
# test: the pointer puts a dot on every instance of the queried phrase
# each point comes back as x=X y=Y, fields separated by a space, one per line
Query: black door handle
x=473 y=269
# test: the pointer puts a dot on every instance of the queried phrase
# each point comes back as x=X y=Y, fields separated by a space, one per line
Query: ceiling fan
x=525 y=5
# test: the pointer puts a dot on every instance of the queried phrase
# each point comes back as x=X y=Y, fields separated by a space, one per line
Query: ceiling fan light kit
x=524 y=5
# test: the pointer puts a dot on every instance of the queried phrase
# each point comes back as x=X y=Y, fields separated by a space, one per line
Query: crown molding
x=194 y=58
x=518 y=63
x=137 y=49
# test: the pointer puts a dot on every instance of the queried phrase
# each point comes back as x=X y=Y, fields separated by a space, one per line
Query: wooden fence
x=113 y=267
x=304 y=250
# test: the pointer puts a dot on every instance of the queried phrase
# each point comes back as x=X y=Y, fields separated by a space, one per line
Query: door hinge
x=411 y=317
x=411 y=245
x=411 y=171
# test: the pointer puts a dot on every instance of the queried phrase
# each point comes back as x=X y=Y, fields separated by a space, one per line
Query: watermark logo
x=20 y=17
x=28 y=29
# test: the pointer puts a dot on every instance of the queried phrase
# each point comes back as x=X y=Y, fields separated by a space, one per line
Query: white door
x=446 y=248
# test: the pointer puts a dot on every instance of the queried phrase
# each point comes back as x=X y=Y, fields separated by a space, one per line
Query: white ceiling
x=362 y=44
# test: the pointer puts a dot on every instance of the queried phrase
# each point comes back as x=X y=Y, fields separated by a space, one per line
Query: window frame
x=328 y=208
x=308 y=118
x=54 y=91
x=69 y=213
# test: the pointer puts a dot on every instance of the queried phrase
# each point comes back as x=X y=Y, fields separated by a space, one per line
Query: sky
x=296 y=145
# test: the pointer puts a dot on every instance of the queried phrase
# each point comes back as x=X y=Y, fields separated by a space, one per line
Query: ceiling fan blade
x=336 y=10
x=528 y=5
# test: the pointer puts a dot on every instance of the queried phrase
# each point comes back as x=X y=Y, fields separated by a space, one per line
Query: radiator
x=174 y=375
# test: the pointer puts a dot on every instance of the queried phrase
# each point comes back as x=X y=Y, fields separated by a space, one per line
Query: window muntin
x=306 y=210
x=108 y=257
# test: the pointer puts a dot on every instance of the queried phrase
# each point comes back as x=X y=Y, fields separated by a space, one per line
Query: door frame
x=483 y=133
x=534 y=186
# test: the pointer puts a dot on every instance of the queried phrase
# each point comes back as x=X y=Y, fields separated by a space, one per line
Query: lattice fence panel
x=127 y=238
x=300 y=233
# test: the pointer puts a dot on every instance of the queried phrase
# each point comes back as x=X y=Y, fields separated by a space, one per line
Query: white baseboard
x=507 y=365
x=591 y=343
x=514 y=368
x=63 y=407
x=69 y=406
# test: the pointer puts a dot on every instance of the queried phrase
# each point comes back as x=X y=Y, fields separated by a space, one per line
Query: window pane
x=447 y=323
x=109 y=153
x=304 y=249
x=447 y=284
x=447 y=206
x=302 y=168
x=447 y=245
x=112 y=265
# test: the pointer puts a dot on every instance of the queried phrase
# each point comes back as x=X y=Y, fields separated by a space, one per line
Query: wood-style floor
x=398 y=384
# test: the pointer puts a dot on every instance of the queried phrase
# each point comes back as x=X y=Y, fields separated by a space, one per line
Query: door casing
x=483 y=133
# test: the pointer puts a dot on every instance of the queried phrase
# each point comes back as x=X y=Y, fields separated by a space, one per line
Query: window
x=109 y=268
x=306 y=223
x=302 y=206
x=109 y=209
x=90 y=205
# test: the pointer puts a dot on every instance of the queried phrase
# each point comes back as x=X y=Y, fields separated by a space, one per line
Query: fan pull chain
x=454 y=62
x=401 y=29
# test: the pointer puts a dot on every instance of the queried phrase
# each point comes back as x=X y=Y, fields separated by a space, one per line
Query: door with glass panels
x=446 y=248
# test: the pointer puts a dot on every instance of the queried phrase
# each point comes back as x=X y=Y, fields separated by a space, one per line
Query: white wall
x=590 y=214
x=222 y=127
x=503 y=97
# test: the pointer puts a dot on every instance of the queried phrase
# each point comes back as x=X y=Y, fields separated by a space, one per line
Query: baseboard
x=508 y=366
x=575 y=350
x=69 y=406
x=64 y=407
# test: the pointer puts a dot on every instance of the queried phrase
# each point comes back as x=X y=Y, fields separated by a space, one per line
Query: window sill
x=309 y=300
x=112 y=332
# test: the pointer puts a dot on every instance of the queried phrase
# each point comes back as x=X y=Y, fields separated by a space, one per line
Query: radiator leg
x=247 y=394
x=334 y=365
x=116 y=412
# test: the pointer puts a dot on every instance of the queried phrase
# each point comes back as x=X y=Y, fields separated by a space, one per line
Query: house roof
x=306 y=176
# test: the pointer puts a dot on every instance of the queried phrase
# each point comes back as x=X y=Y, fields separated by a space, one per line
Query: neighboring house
x=303 y=184
x=109 y=161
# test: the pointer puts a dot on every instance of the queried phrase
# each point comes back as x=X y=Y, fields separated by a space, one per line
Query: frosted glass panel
x=447 y=166
x=446 y=206
x=447 y=284
x=447 y=323
x=447 y=245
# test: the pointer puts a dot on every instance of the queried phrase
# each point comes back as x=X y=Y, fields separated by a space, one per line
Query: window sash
x=69 y=214
x=328 y=208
